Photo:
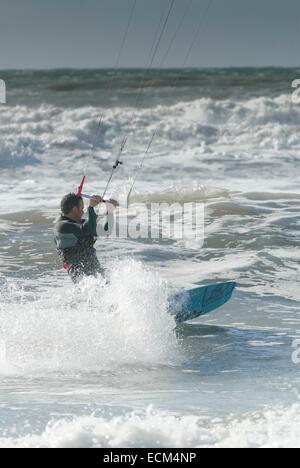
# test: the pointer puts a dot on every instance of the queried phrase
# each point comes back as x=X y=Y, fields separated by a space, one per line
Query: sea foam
x=270 y=428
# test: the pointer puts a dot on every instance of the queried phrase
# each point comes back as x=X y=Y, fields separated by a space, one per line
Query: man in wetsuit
x=75 y=237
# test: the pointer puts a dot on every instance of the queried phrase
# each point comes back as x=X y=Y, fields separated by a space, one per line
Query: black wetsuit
x=75 y=245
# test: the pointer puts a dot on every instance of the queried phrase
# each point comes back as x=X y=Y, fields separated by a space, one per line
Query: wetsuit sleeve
x=89 y=227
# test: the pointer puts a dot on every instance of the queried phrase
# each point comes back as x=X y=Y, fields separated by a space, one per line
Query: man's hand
x=113 y=202
x=95 y=201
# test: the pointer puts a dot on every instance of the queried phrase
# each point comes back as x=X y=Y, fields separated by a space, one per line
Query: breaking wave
x=29 y=135
x=277 y=428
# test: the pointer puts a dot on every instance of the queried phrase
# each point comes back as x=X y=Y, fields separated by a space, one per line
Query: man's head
x=72 y=206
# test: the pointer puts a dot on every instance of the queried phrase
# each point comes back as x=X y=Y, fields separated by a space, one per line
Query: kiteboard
x=196 y=302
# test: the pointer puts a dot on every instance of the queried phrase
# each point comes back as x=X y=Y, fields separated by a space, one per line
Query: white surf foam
x=93 y=325
x=29 y=134
x=277 y=428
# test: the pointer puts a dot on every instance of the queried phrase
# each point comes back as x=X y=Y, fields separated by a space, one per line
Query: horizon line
x=228 y=67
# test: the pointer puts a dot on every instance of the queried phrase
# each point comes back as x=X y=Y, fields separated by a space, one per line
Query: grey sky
x=87 y=33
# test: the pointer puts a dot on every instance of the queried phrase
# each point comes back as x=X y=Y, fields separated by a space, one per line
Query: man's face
x=80 y=209
x=78 y=212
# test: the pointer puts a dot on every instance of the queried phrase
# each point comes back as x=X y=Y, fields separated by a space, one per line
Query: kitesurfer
x=75 y=237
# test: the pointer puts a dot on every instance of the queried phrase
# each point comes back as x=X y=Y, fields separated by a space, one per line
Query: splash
x=96 y=325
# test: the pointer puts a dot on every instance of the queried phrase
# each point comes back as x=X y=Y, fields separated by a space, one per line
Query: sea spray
x=99 y=324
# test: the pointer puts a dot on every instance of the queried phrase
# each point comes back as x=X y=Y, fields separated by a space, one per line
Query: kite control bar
x=89 y=197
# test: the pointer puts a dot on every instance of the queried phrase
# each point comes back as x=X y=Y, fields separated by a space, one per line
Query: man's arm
x=89 y=227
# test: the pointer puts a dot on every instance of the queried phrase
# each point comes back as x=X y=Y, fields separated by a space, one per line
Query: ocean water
x=103 y=365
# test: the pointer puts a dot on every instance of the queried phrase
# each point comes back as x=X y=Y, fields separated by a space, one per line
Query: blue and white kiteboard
x=201 y=301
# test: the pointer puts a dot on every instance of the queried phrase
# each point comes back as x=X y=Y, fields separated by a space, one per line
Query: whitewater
x=103 y=364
